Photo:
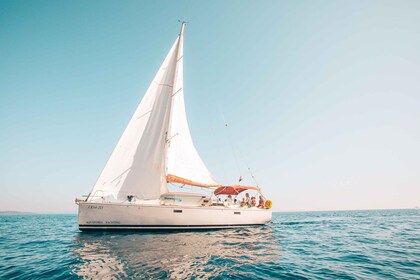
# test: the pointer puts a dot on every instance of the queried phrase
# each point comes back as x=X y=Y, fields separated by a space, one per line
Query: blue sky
x=322 y=97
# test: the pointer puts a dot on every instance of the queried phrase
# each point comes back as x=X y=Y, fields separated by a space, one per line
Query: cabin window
x=177 y=211
x=237 y=213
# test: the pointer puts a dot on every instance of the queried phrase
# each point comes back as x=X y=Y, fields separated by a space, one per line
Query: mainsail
x=184 y=164
x=156 y=146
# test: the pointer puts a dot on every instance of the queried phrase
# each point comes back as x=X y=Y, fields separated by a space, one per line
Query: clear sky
x=322 y=97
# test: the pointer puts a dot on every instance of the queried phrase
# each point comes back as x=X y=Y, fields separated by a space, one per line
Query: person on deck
x=243 y=203
x=261 y=202
x=228 y=201
x=253 y=202
x=247 y=200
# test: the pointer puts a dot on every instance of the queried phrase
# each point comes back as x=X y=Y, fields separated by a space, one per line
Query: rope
x=233 y=150
x=252 y=175
x=231 y=144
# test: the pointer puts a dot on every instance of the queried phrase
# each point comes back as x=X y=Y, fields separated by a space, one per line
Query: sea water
x=306 y=245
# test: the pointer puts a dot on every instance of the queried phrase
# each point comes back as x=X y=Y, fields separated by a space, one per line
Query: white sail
x=157 y=141
x=136 y=166
x=184 y=164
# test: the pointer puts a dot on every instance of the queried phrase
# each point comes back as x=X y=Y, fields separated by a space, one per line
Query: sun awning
x=234 y=190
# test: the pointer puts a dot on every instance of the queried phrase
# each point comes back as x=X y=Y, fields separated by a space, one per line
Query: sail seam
x=166 y=85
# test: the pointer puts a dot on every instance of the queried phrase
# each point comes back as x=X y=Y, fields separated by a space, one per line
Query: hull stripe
x=161 y=226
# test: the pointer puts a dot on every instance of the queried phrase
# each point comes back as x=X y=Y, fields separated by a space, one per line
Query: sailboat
x=156 y=149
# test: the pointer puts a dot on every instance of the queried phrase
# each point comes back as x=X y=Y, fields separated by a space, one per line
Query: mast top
x=183 y=23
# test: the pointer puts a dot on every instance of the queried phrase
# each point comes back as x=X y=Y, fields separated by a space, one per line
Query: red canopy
x=234 y=190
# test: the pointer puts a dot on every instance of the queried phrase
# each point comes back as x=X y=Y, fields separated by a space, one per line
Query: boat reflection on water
x=201 y=254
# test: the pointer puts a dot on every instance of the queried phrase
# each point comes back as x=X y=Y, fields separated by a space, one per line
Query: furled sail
x=184 y=163
x=156 y=147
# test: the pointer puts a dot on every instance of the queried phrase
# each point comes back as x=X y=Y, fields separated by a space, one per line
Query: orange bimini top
x=234 y=190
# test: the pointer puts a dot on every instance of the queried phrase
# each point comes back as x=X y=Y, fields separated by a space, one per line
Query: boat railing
x=105 y=196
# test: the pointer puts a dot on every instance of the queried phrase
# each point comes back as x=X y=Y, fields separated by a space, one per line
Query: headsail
x=124 y=174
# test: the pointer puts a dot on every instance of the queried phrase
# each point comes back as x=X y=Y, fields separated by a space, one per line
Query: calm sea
x=307 y=245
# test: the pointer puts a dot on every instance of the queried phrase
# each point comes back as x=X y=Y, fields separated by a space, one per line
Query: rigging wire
x=233 y=150
x=232 y=146
x=230 y=142
x=210 y=118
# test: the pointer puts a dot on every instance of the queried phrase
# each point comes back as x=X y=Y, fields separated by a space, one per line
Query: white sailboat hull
x=155 y=149
x=111 y=216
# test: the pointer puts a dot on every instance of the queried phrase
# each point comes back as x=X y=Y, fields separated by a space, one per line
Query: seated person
x=247 y=200
x=261 y=202
x=228 y=201
x=253 y=202
x=243 y=203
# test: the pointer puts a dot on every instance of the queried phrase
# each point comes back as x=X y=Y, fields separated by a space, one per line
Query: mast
x=181 y=33
x=177 y=86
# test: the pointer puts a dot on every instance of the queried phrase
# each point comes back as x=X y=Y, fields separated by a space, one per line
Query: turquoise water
x=307 y=245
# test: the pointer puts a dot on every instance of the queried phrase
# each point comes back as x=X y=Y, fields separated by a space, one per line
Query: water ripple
x=322 y=245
